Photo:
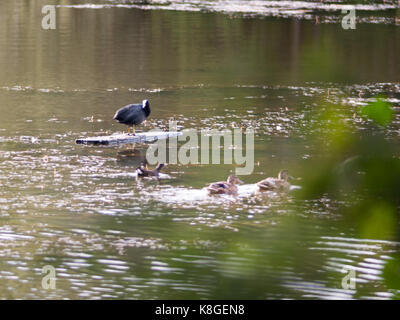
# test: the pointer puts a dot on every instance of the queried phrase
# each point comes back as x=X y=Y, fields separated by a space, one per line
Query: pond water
x=206 y=65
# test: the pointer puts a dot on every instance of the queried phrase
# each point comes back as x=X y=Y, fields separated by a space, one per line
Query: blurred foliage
x=361 y=167
x=362 y=170
x=391 y=274
x=380 y=111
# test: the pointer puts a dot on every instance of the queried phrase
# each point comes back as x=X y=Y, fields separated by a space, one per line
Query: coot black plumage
x=133 y=114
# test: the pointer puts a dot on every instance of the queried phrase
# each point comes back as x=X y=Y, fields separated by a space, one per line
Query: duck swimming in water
x=142 y=171
x=280 y=184
x=225 y=187
x=133 y=114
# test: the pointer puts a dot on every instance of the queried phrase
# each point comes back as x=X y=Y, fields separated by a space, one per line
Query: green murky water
x=80 y=210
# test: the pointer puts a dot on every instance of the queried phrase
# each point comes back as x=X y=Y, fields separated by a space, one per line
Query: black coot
x=133 y=114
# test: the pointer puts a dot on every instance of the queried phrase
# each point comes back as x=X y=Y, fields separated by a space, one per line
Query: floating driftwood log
x=125 y=138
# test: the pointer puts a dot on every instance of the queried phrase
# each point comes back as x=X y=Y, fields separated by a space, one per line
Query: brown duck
x=142 y=171
x=225 y=187
x=279 y=184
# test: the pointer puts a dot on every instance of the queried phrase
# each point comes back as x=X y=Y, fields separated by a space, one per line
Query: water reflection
x=110 y=235
x=257 y=8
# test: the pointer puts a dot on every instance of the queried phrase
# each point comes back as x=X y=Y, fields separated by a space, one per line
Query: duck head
x=234 y=180
x=284 y=175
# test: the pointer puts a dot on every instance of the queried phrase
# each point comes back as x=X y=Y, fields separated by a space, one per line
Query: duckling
x=142 y=171
x=276 y=184
x=225 y=187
